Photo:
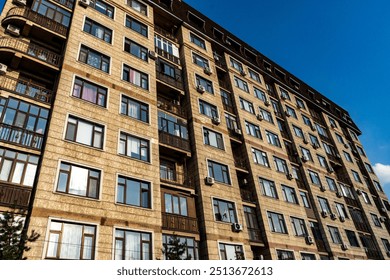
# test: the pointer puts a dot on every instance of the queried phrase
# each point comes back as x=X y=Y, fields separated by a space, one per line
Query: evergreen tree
x=175 y=250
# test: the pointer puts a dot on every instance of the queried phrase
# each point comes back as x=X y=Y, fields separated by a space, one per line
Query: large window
x=260 y=94
x=289 y=194
x=298 y=132
x=136 y=49
x=94 y=59
x=78 y=180
x=231 y=121
x=376 y=220
x=268 y=188
x=136 y=26
x=285 y=255
x=134 y=147
x=353 y=241
x=291 y=112
x=306 y=155
x=252 y=129
x=219 y=172
x=241 y=84
x=135 y=77
x=224 y=211
x=324 y=205
x=90 y=92
x=322 y=161
x=331 y=184
x=172 y=125
x=231 y=252
x=84 y=132
x=133 y=192
x=71 y=241
x=213 y=138
x=135 y=109
x=341 y=210
x=138 y=6
x=52 y=11
x=103 y=8
x=208 y=85
x=246 y=105
x=260 y=157
x=176 y=204
x=266 y=115
x=98 y=30
x=281 y=165
x=335 y=235
x=17 y=168
x=200 y=61
x=276 y=222
x=165 y=45
x=299 y=227
x=356 y=176
x=208 y=109
x=254 y=76
x=315 y=178
x=305 y=199
x=189 y=246
x=236 y=65
x=132 y=245
x=197 y=41
x=272 y=138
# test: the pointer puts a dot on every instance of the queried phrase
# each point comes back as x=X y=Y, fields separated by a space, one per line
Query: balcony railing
x=373 y=254
x=26 y=89
x=179 y=223
x=14 y=196
x=173 y=81
x=255 y=235
x=241 y=163
x=361 y=226
x=224 y=84
x=31 y=50
x=167 y=55
x=165 y=33
x=67 y=3
x=174 y=177
x=174 y=141
x=21 y=136
x=351 y=202
x=320 y=245
x=169 y=106
x=228 y=108
x=38 y=19
x=247 y=195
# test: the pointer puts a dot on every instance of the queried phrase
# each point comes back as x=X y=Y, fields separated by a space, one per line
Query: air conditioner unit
x=332 y=125
x=243 y=73
x=216 y=57
x=344 y=247
x=333 y=216
x=287 y=113
x=84 y=3
x=316 y=146
x=207 y=70
x=238 y=131
x=359 y=191
x=305 y=140
x=313 y=127
x=346 y=146
x=3 y=69
x=309 y=239
x=330 y=169
x=342 y=219
x=322 y=188
x=216 y=120
x=200 y=89
x=267 y=103
x=382 y=219
x=245 y=181
x=260 y=117
x=19 y=2
x=339 y=194
x=324 y=213
x=13 y=30
x=305 y=158
x=152 y=55
x=237 y=227
x=383 y=209
x=209 y=181
x=290 y=176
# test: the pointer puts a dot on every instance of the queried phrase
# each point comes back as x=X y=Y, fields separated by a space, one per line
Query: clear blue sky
x=341 y=48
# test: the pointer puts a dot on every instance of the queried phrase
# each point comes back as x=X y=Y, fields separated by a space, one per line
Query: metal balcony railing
x=169 y=106
x=174 y=177
x=21 y=136
x=14 y=196
x=247 y=195
x=174 y=141
x=167 y=55
x=255 y=235
x=173 y=81
x=179 y=223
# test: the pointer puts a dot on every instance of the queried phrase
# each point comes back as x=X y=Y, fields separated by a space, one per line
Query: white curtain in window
x=53 y=245
x=29 y=175
x=84 y=133
x=5 y=170
x=135 y=77
x=133 y=146
x=175 y=51
x=71 y=241
x=18 y=172
x=133 y=110
x=230 y=252
x=133 y=245
x=78 y=181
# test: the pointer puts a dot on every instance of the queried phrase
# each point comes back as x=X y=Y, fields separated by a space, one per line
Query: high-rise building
x=125 y=125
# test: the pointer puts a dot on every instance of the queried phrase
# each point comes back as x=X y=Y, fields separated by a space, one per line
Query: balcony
x=373 y=254
x=31 y=50
x=310 y=213
x=173 y=81
x=173 y=141
x=26 y=89
x=24 y=14
x=247 y=195
x=169 y=106
x=21 y=136
x=224 y=84
x=361 y=226
x=351 y=202
x=241 y=163
x=255 y=235
x=174 y=177
x=14 y=196
x=66 y=3
x=179 y=223
x=167 y=55
x=334 y=158
x=320 y=245
x=165 y=33
x=228 y=108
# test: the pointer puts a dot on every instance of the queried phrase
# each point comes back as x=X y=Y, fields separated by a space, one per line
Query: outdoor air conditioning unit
x=342 y=219
x=260 y=117
x=313 y=127
x=322 y=188
x=305 y=158
x=152 y=55
x=267 y=103
x=333 y=216
x=84 y=3
x=207 y=70
x=339 y=194
x=237 y=227
x=19 y=2
x=346 y=146
x=305 y=140
x=316 y=146
x=287 y=113
x=216 y=57
x=382 y=219
x=200 y=89
x=13 y=30
x=245 y=181
x=359 y=191
x=216 y=120
x=290 y=176
x=324 y=213
x=3 y=69
x=309 y=239
x=243 y=73
x=209 y=181
x=330 y=169
x=237 y=131
x=344 y=247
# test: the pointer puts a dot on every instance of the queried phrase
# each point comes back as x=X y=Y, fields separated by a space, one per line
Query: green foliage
x=13 y=237
x=175 y=250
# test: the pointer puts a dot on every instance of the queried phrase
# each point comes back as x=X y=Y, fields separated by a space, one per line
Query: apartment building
x=126 y=124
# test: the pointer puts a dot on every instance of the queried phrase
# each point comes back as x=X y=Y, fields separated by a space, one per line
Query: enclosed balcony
x=179 y=223
x=169 y=74
x=174 y=141
x=172 y=173
x=14 y=196
x=173 y=106
x=255 y=235
x=21 y=136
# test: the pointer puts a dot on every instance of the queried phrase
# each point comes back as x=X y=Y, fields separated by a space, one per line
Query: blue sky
x=341 y=48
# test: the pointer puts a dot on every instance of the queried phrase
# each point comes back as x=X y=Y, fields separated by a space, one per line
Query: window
x=241 y=84
x=331 y=184
x=376 y=220
x=356 y=176
x=341 y=210
x=98 y=30
x=17 y=168
x=169 y=70
x=252 y=129
x=281 y=165
x=335 y=235
x=226 y=99
x=314 y=177
x=252 y=223
x=200 y=61
x=276 y=108
x=172 y=125
x=268 y=188
x=305 y=199
x=138 y=6
x=136 y=26
x=272 y=139
x=386 y=244
x=132 y=245
x=231 y=122
x=314 y=140
x=213 y=138
x=339 y=138
x=219 y=172
x=291 y=112
x=134 y=109
x=347 y=191
x=353 y=241
x=259 y=94
x=167 y=170
x=103 y=8
x=84 y=132
x=306 y=120
x=51 y=11
x=134 y=147
x=347 y=156
x=208 y=109
x=284 y=94
x=231 y=252
x=368 y=167
x=254 y=76
x=285 y=255
x=247 y=106
x=133 y=192
x=298 y=132
x=236 y=65
x=329 y=149
x=322 y=161
x=175 y=204
x=135 y=77
x=299 y=227
x=197 y=41
x=266 y=115
x=360 y=151
x=95 y=59
x=324 y=205
x=308 y=257
x=332 y=122
x=300 y=103
x=208 y=85
x=71 y=241
x=78 y=180
x=260 y=157
x=377 y=186
x=306 y=155
x=224 y=211
x=353 y=135
x=289 y=194
x=276 y=222
x=366 y=198
x=136 y=49
x=190 y=247
x=90 y=92
x=321 y=130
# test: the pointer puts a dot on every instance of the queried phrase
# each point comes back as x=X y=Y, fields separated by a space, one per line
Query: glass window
x=213 y=138
x=84 y=132
x=260 y=94
x=208 y=109
x=133 y=192
x=268 y=188
x=332 y=122
x=306 y=120
x=208 y=85
x=241 y=84
x=102 y=7
x=172 y=125
x=165 y=45
x=284 y=94
x=341 y=210
x=138 y=6
x=285 y=255
x=322 y=161
x=386 y=244
x=252 y=129
x=335 y=235
x=331 y=184
x=276 y=222
x=339 y=138
x=260 y=157
x=197 y=41
x=52 y=11
x=133 y=245
x=188 y=244
x=356 y=176
x=306 y=155
x=136 y=26
x=321 y=130
x=314 y=141
x=347 y=191
x=200 y=61
x=90 y=92
x=136 y=49
x=231 y=122
x=281 y=165
x=308 y=257
x=289 y=194
x=134 y=147
x=167 y=170
x=272 y=139
x=366 y=198
x=266 y=115
x=300 y=103
x=298 y=131
x=360 y=151
x=95 y=59
x=135 y=77
x=368 y=167
x=71 y=241
x=314 y=177
x=291 y=112
x=347 y=156
x=247 y=106
x=219 y=172
x=324 y=205
x=236 y=65
x=134 y=109
x=299 y=227
x=231 y=252
x=376 y=220
x=377 y=186
x=175 y=204
x=353 y=241
x=305 y=199
x=98 y=30
x=224 y=211
x=254 y=76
